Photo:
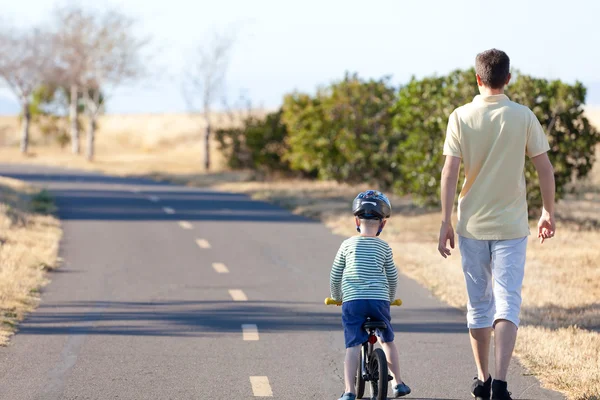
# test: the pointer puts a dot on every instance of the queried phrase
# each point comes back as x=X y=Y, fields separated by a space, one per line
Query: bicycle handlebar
x=331 y=302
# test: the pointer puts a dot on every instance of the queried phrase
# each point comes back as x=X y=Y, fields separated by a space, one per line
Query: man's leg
x=350 y=368
x=480 y=343
x=476 y=262
x=505 y=337
x=508 y=265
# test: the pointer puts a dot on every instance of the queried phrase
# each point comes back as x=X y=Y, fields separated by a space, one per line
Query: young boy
x=364 y=277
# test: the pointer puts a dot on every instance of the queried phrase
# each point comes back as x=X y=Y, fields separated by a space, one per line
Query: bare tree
x=205 y=80
x=24 y=63
x=71 y=43
x=103 y=55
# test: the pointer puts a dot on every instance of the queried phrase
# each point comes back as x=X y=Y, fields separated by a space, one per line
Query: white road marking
x=168 y=210
x=203 y=243
x=154 y=199
x=185 y=225
x=261 y=386
x=135 y=190
x=220 y=268
x=238 y=295
x=250 y=332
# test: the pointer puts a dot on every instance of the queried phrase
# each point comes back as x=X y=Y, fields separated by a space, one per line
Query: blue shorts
x=354 y=315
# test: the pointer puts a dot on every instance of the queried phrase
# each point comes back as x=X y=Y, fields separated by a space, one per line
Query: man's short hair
x=493 y=67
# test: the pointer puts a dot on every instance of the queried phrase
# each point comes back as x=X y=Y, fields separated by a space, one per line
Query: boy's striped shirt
x=364 y=269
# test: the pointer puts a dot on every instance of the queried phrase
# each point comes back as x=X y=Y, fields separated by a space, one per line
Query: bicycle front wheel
x=378 y=370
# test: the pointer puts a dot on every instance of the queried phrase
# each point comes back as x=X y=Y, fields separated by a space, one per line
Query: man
x=492 y=135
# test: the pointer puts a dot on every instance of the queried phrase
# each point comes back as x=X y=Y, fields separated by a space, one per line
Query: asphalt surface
x=138 y=311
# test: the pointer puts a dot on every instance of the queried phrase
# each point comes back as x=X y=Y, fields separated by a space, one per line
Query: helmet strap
x=380 y=228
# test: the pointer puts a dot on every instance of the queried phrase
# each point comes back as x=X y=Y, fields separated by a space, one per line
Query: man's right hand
x=546 y=226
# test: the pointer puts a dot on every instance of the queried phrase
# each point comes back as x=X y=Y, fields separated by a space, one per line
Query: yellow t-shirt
x=492 y=135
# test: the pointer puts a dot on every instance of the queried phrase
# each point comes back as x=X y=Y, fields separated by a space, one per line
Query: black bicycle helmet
x=371 y=204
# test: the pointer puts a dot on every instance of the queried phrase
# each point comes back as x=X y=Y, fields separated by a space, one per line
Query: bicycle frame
x=367 y=348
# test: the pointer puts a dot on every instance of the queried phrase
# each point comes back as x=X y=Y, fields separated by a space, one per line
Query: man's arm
x=449 y=182
x=543 y=166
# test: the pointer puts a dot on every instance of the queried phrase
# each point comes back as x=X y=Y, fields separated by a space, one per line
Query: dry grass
x=125 y=145
x=28 y=247
x=561 y=288
x=566 y=359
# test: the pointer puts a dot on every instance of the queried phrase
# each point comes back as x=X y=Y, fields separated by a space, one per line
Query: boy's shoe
x=401 y=389
x=348 y=396
x=500 y=391
x=482 y=390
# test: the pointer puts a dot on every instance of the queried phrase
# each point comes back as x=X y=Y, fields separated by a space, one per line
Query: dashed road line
x=154 y=199
x=168 y=210
x=249 y=332
x=261 y=386
x=220 y=268
x=203 y=243
x=185 y=225
x=238 y=295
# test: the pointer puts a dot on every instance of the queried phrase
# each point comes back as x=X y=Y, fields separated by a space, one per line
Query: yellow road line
x=203 y=243
x=185 y=225
x=261 y=386
x=220 y=268
x=238 y=295
x=249 y=332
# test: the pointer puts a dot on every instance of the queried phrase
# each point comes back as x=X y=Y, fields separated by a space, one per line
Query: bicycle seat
x=374 y=325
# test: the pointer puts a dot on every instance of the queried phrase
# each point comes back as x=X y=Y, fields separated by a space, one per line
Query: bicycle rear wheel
x=378 y=370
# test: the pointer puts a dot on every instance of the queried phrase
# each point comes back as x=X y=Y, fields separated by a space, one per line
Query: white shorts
x=494 y=271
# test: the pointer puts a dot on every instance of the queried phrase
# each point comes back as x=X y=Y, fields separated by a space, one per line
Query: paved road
x=142 y=307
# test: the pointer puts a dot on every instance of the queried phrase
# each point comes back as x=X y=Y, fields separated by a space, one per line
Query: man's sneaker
x=348 y=396
x=401 y=389
x=482 y=390
x=500 y=391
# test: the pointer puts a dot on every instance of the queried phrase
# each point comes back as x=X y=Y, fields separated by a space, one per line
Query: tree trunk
x=207 y=146
x=91 y=136
x=73 y=114
x=25 y=127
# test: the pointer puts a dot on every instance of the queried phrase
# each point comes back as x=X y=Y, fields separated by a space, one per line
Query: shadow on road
x=83 y=196
x=196 y=319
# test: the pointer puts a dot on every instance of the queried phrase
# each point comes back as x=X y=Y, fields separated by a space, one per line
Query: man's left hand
x=446 y=234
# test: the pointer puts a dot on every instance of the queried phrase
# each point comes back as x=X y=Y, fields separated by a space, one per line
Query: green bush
x=43 y=203
x=343 y=133
x=421 y=116
x=258 y=144
x=559 y=108
x=422 y=112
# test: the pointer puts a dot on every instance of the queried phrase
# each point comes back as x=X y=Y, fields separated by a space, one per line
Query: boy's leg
x=508 y=263
x=476 y=263
x=350 y=368
x=353 y=316
x=393 y=360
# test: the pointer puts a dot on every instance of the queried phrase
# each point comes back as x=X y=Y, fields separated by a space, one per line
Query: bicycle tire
x=378 y=370
x=360 y=382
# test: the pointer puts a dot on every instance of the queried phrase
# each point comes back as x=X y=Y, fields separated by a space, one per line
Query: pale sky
x=285 y=45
